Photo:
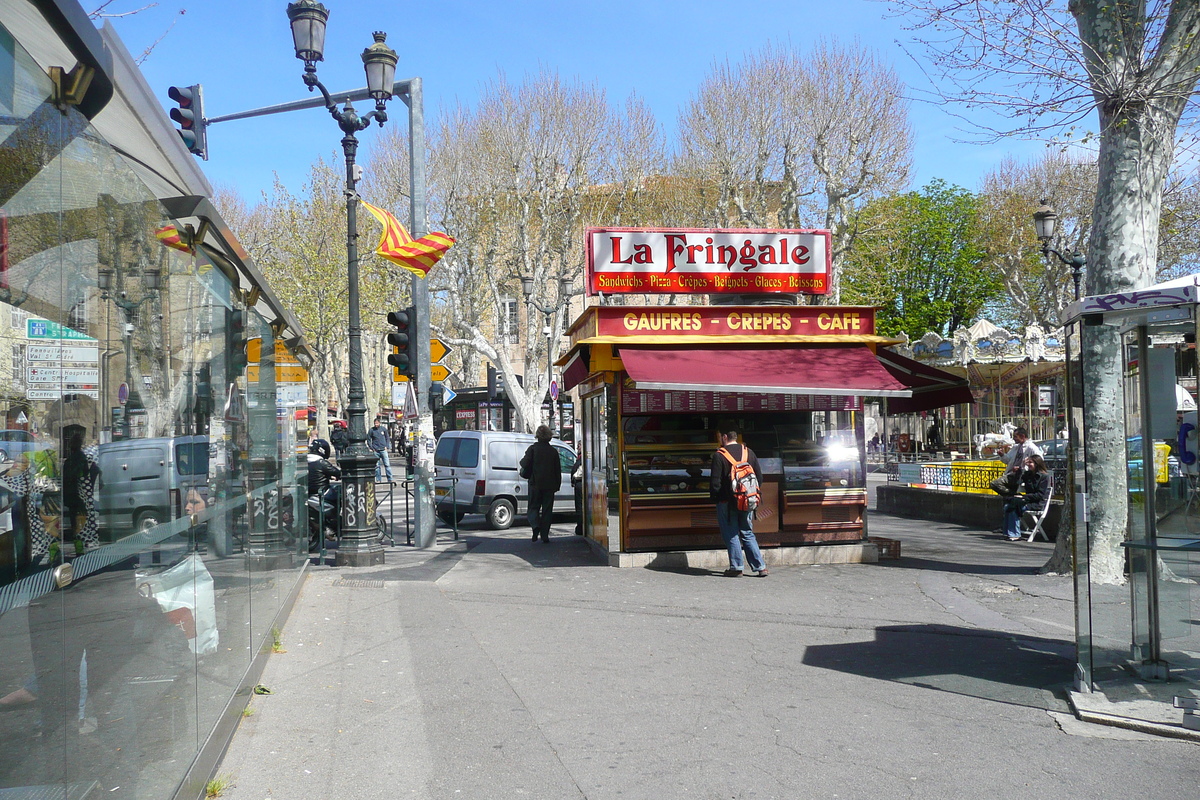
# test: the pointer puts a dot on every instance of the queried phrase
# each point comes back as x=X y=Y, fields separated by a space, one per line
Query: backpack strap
x=728 y=457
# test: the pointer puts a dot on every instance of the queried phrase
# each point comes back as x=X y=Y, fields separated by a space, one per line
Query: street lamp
x=1044 y=223
x=152 y=280
x=359 y=545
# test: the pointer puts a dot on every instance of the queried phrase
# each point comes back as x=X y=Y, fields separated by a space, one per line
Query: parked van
x=144 y=482
x=487 y=465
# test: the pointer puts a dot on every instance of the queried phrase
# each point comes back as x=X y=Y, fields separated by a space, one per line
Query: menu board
x=649 y=401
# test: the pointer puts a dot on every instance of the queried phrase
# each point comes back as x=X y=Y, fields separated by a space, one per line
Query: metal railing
x=964 y=476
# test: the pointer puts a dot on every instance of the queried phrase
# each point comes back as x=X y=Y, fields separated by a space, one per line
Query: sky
x=241 y=52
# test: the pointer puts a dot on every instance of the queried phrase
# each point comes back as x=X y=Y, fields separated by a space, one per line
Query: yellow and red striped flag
x=170 y=236
x=415 y=255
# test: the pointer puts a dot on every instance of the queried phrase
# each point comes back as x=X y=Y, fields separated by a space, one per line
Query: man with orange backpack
x=734 y=487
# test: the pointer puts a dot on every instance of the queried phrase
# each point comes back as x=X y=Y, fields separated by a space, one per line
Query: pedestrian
x=339 y=437
x=541 y=467
x=377 y=440
x=737 y=526
x=1034 y=489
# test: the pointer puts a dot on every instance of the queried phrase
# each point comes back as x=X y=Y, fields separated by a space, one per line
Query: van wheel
x=3 y=455
x=500 y=514
x=145 y=520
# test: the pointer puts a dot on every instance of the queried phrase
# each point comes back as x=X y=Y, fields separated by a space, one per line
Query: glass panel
x=467 y=454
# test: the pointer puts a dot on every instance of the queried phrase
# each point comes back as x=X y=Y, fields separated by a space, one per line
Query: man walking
x=377 y=440
x=541 y=467
x=737 y=528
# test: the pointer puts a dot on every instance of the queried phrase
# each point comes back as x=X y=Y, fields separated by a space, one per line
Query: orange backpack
x=743 y=480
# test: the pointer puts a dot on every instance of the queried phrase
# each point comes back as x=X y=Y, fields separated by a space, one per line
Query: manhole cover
x=351 y=583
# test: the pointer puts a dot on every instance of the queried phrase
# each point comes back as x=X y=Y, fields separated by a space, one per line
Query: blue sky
x=661 y=49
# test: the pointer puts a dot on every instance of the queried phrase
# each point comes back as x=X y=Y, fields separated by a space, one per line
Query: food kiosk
x=657 y=383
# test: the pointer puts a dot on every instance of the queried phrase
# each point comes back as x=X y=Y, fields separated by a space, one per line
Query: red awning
x=931 y=387
x=807 y=369
x=575 y=370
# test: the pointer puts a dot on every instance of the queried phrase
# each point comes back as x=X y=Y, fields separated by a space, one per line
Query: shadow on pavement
x=991 y=665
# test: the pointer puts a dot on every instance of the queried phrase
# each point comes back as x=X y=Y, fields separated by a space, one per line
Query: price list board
x=649 y=401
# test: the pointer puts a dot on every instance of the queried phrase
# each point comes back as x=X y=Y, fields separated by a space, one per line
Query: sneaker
x=732 y=573
x=764 y=572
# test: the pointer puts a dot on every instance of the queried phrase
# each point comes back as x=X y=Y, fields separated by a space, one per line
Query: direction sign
x=448 y=394
x=61 y=374
x=438 y=351
x=437 y=373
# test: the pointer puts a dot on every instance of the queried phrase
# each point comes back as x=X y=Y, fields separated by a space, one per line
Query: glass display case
x=669 y=470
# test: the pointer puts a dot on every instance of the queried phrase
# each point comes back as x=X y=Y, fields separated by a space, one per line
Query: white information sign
x=61 y=374
x=57 y=353
x=55 y=394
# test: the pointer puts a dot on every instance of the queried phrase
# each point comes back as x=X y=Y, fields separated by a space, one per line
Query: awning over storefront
x=931 y=387
x=814 y=370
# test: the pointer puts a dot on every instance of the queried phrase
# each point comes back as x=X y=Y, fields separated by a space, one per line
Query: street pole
x=359 y=545
x=424 y=521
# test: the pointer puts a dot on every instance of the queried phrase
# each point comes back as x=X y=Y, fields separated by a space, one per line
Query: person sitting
x=1035 y=487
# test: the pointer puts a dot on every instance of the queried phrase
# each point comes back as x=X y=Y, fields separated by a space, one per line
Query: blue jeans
x=737 y=530
x=1014 y=508
x=386 y=463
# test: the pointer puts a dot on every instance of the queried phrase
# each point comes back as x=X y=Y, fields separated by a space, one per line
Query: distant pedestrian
x=737 y=526
x=377 y=440
x=339 y=437
x=541 y=467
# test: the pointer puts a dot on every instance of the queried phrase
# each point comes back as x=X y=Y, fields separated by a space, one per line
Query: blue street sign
x=448 y=394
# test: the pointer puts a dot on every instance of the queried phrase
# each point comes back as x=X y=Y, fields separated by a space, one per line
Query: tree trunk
x=1135 y=152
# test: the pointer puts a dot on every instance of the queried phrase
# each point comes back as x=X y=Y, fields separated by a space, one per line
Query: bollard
x=1190 y=705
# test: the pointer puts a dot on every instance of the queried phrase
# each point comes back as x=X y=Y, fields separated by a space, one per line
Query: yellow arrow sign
x=437 y=373
x=438 y=351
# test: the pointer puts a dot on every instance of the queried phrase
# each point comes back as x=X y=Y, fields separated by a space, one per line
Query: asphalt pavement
x=495 y=667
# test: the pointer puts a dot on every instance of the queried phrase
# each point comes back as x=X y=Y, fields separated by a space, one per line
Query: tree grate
x=352 y=583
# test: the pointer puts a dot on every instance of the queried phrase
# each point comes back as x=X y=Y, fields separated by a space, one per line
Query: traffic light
x=190 y=116
x=491 y=382
x=235 y=338
x=404 y=341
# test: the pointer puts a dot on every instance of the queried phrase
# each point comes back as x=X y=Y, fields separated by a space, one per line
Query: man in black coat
x=541 y=467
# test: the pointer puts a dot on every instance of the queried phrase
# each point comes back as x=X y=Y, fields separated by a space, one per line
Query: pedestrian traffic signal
x=404 y=342
x=190 y=116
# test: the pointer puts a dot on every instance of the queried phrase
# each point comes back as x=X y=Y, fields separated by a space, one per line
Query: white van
x=487 y=469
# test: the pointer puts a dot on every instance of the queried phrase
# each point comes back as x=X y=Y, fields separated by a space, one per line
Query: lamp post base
x=359 y=545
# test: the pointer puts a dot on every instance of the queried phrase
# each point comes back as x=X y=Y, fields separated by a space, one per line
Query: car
x=478 y=472
x=1053 y=449
x=13 y=442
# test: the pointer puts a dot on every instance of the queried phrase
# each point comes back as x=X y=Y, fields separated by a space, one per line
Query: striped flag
x=415 y=255
x=170 y=236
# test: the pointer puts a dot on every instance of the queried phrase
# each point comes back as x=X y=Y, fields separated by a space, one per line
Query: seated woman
x=1034 y=488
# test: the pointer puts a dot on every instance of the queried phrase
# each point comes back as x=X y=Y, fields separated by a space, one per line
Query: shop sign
x=734 y=321
x=60 y=374
x=464 y=413
x=37 y=328
x=707 y=261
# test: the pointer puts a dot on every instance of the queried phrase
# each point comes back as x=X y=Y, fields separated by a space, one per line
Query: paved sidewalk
x=498 y=668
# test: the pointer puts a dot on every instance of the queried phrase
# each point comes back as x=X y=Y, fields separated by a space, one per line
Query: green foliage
x=919 y=259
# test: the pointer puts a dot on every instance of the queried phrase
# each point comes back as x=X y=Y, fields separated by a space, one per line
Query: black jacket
x=1035 y=487
x=541 y=464
x=721 y=488
x=340 y=439
x=319 y=473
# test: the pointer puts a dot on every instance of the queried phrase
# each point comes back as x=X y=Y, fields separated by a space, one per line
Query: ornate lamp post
x=359 y=544
x=152 y=280
x=1044 y=222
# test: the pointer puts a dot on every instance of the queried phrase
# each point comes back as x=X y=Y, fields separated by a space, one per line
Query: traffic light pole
x=424 y=521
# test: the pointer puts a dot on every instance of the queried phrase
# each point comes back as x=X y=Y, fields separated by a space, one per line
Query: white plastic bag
x=185 y=594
